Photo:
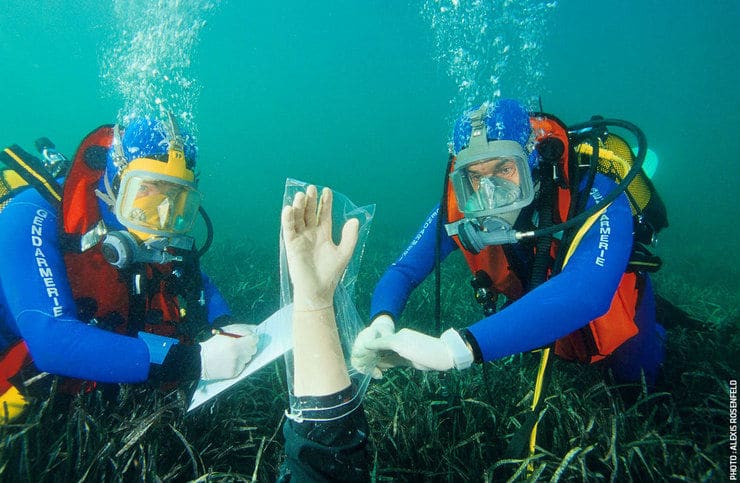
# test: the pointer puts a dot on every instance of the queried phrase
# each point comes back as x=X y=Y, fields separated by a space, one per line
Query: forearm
x=412 y=267
x=319 y=366
x=74 y=349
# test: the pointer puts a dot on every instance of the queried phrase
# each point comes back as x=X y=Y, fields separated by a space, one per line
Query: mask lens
x=494 y=192
x=156 y=204
x=492 y=186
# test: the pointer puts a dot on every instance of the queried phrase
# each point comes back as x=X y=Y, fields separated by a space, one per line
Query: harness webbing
x=543 y=371
x=33 y=172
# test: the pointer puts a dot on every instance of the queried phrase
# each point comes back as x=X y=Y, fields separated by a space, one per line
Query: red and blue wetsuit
x=566 y=302
x=38 y=306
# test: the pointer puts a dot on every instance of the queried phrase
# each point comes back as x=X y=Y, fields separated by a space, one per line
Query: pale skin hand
x=316 y=264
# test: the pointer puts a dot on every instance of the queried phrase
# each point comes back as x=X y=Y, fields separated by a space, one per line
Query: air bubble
x=490 y=47
x=148 y=60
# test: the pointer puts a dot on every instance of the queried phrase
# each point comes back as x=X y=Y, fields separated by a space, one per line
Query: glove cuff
x=461 y=355
x=181 y=364
x=384 y=321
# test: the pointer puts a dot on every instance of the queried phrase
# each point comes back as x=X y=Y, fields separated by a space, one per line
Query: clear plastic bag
x=349 y=322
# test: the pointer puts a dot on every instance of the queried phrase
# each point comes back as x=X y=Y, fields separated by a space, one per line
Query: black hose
x=209 y=231
x=542 y=256
x=621 y=187
x=441 y=220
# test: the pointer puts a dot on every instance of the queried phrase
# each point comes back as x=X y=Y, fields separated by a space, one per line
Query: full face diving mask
x=492 y=182
x=157 y=198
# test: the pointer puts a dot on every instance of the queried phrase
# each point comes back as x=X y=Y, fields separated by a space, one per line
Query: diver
x=571 y=290
x=105 y=286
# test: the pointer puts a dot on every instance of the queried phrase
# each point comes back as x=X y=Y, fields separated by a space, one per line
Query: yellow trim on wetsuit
x=36 y=175
x=12 y=405
x=545 y=354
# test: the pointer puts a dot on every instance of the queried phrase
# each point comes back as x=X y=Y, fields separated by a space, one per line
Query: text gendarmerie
x=45 y=272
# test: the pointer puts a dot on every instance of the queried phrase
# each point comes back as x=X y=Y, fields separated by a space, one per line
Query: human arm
x=40 y=308
x=334 y=447
x=568 y=301
x=316 y=265
x=410 y=269
x=392 y=292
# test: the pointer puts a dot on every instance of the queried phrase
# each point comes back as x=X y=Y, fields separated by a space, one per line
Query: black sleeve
x=321 y=451
x=468 y=337
x=223 y=320
x=182 y=363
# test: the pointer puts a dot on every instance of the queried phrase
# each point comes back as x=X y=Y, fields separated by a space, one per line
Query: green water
x=361 y=95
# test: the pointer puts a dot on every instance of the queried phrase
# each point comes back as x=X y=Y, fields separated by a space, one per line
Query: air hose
x=621 y=187
x=209 y=230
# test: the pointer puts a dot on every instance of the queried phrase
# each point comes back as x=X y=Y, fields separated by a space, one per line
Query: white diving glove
x=224 y=356
x=365 y=359
x=425 y=352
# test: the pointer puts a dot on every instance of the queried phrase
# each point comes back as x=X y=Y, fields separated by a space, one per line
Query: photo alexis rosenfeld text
x=733 y=429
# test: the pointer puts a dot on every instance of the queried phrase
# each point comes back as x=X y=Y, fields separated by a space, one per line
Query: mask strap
x=478 y=132
x=108 y=197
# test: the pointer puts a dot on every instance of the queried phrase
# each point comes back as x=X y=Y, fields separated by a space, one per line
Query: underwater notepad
x=274 y=340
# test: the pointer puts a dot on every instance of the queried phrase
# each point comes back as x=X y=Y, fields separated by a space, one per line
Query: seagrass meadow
x=424 y=426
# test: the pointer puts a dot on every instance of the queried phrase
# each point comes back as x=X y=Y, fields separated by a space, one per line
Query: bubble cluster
x=490 y=48
x=148 y=59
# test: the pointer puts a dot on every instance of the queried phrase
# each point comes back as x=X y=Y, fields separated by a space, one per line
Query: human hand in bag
x=315 y=263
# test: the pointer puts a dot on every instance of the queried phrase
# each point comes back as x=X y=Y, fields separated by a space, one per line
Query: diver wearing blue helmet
x=500 y=187
x=108 y=288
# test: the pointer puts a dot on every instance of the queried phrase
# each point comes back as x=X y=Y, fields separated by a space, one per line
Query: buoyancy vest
x=601 y=336
x=147 y=297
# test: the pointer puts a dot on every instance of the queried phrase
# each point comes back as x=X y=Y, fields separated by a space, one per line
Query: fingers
x=324 y=209
x=386 y=343
x=350 y=233
x=305 y=211
x=310 y=215
x=324 y=212
x=287 y=220
x=301 y=213
x=292 y=217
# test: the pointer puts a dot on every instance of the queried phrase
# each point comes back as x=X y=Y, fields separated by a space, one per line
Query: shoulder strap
x=33 y=172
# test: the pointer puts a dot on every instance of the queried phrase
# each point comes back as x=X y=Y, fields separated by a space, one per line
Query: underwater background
x=361 y=96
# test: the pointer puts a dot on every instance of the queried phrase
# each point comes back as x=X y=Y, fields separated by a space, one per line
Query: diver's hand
x=315 y=263
x=367 y=360
x=224 y=356
x=425 y=352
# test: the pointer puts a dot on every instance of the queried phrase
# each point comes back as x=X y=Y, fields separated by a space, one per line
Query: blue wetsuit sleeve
x=568 y=301
x=40 y=307
x=217 y=306
x=412 y=267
